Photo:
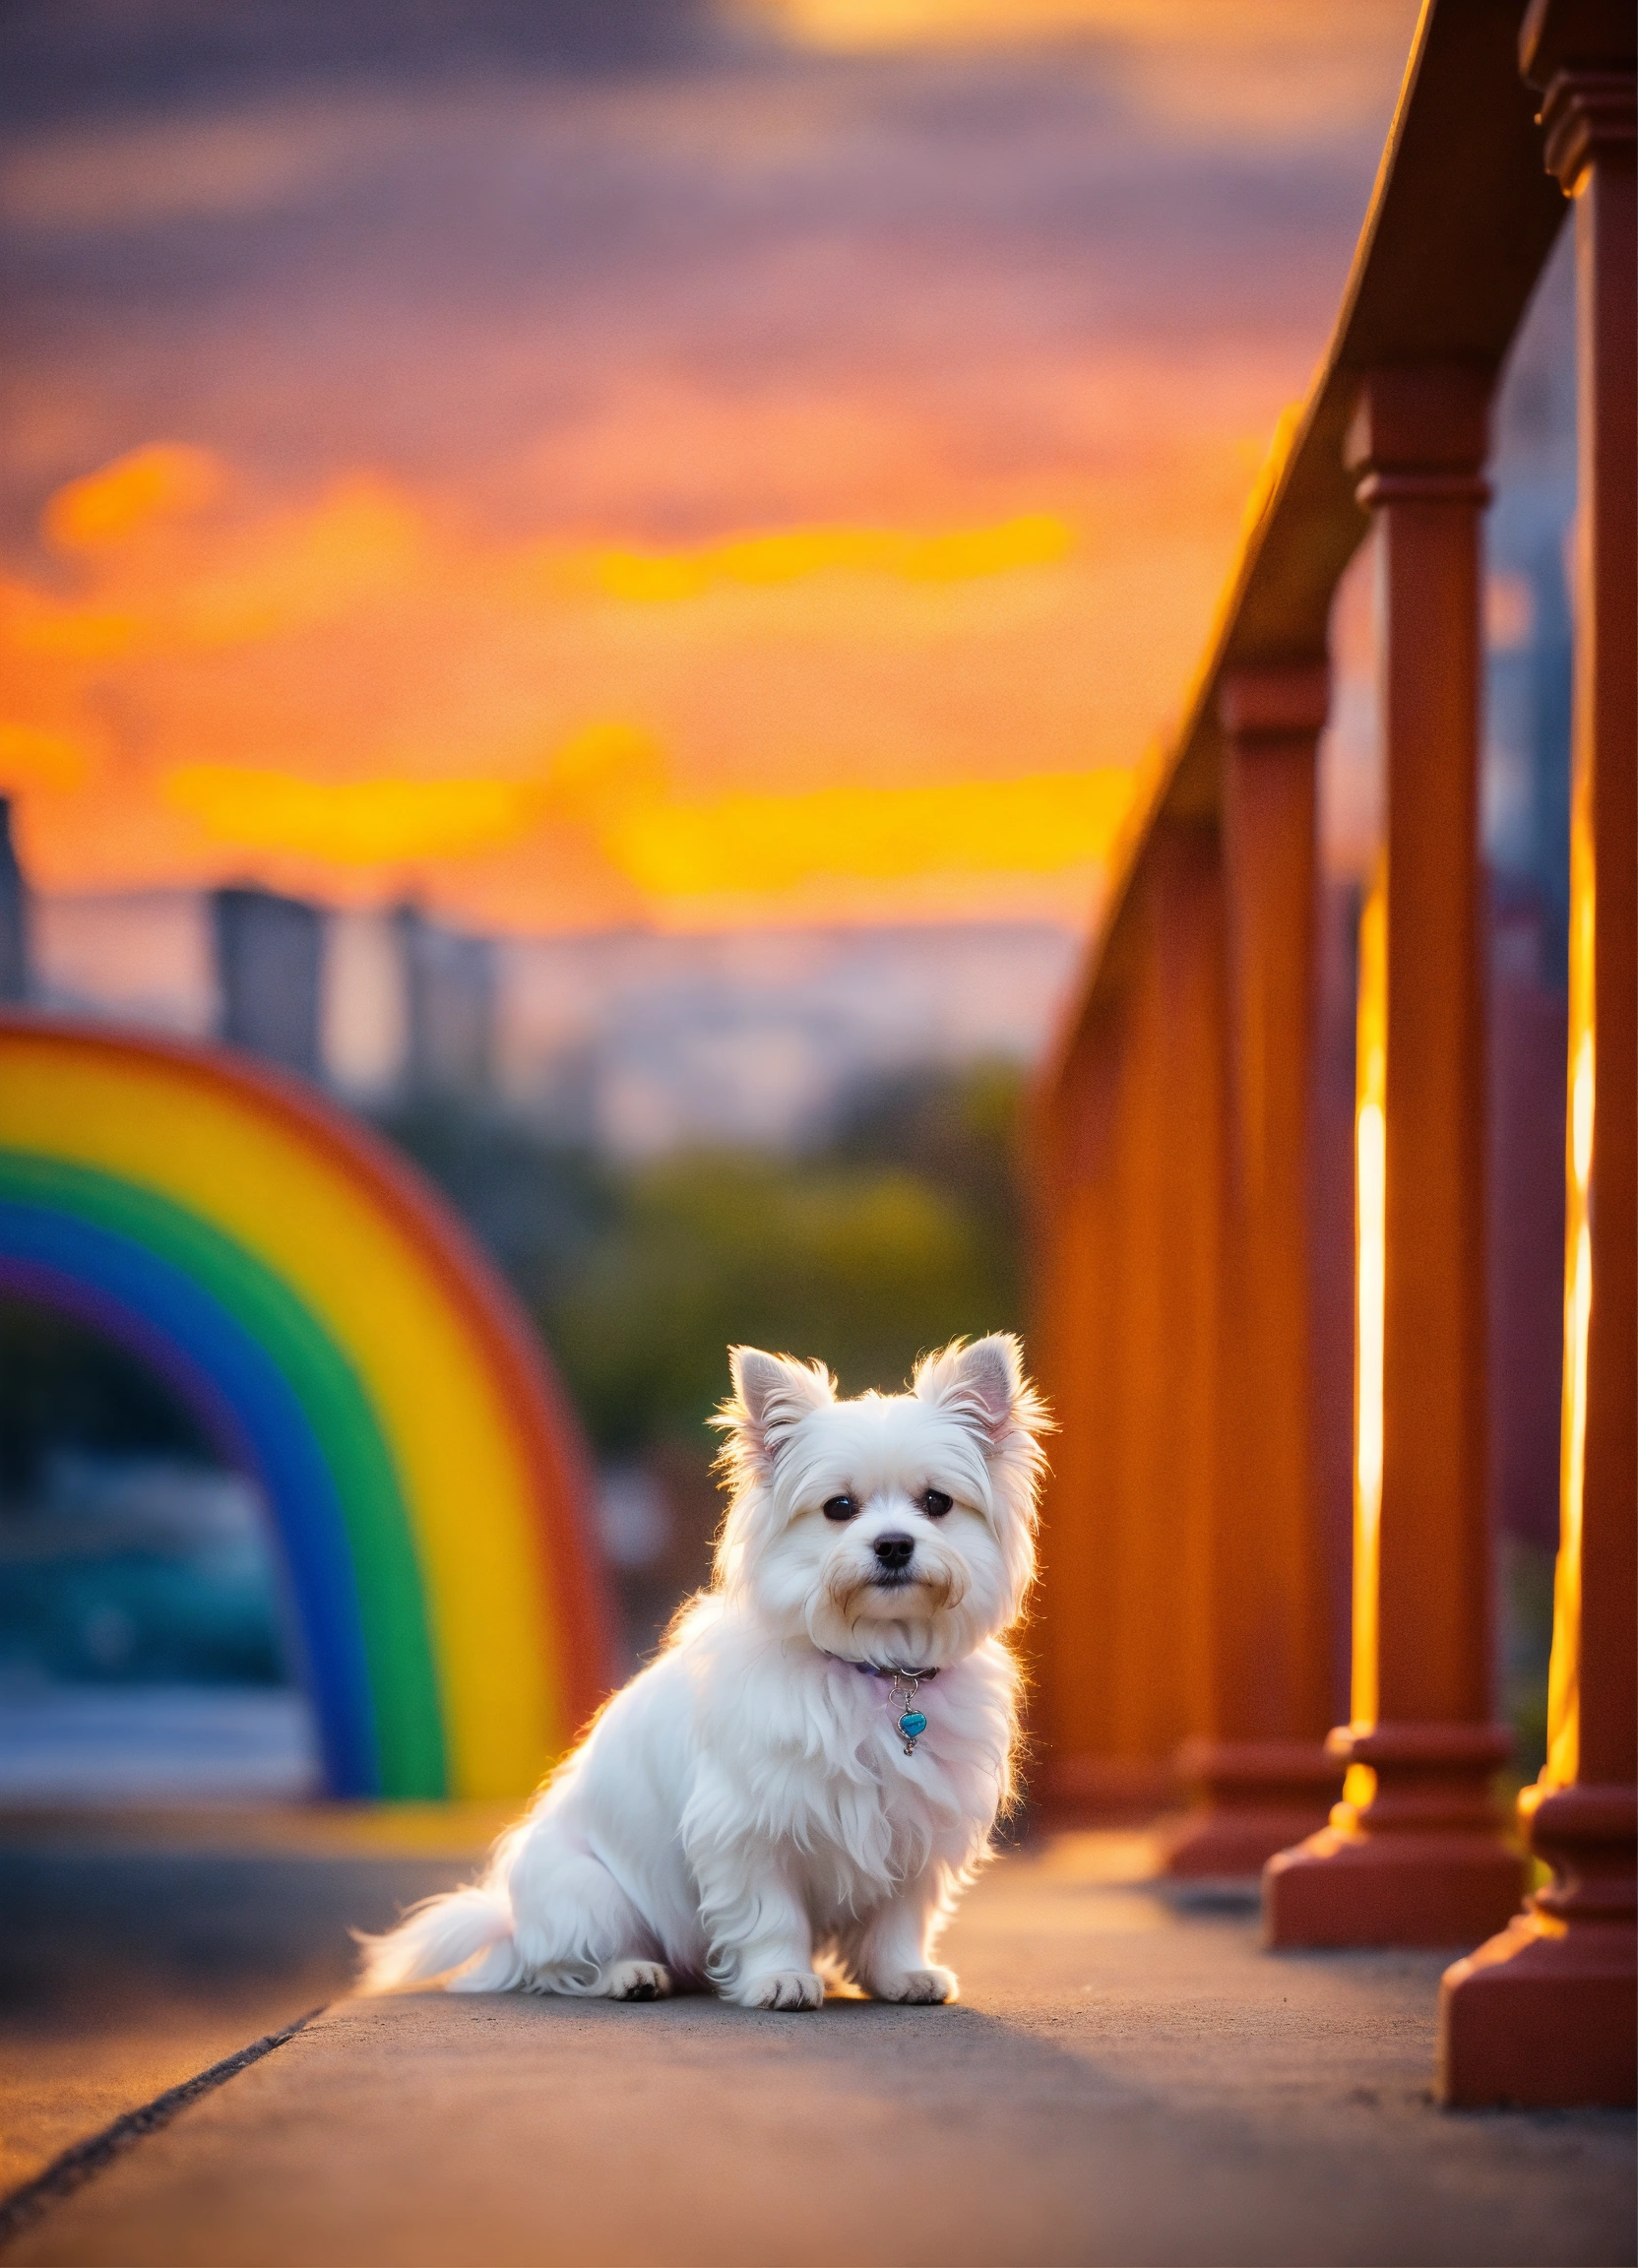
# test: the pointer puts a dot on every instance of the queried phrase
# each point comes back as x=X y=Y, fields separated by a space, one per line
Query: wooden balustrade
x=1258 y=1765
x=1547 y=2010
x=1132 y=1180
x=1416 y=1854
x=1182 y=1591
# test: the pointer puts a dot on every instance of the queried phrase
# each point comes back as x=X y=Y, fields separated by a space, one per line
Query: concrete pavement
x=138 y=1947
x=1124 y=2081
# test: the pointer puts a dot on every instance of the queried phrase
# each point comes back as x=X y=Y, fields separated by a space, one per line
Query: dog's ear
x=772 y=1394
x=984 y=1385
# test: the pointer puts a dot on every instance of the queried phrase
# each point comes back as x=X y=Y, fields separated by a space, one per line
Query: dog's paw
x=781 y=1988
x=637 y=1980
x=921 y=1984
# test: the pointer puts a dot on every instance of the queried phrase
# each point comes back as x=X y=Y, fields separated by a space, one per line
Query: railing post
x=1261 y=1769
x=1415 y=1853
x=1545 y=2011
x=1075 y=1341
x=1130 y=1318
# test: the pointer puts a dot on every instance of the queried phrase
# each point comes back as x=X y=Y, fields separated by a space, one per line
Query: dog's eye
x=840 y=1507
x=935 y=1503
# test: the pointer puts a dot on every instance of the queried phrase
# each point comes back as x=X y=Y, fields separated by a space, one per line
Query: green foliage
x=899 y=1232
x=536 y=1204
x=956 y=1131
x=899 y=1235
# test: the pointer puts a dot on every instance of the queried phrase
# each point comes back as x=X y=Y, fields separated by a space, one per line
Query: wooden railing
x=1184 y=1628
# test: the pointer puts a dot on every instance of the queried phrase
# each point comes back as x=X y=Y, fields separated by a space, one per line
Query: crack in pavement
x=83 y=2161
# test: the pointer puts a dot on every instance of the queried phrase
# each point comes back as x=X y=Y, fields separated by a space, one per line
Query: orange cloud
x=163 y=481
x=874 y=447
x=1040 y=824
x=1034 y=539
x=355 y=822
x=598 y=778
x=33 y=758
x=156 y=589
x=867 y=719
x=615 y=781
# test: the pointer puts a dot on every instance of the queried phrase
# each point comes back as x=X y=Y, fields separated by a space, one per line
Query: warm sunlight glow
x=859 y=26
x=1581 y=1114
x=1565 y=1671
x=855 y=24
x=1370 y=1268
x=1231 y=68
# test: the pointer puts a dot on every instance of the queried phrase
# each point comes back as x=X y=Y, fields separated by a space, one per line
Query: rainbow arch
x=339 y=1336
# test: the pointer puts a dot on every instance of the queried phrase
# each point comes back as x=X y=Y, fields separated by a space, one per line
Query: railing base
x=1540 y=2015
x=1228 y=1843
x=1253 y=1799
x=1419 y=1857
x=1103 y=1791
x=1343 y=1887
x=1547 y=2012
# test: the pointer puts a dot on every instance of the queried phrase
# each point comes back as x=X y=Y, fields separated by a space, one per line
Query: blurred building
x=449 y=982
x=628 y=1040
x=269 y=956
x=364 y=1009
x=1528 y=618
x=14 y=913
x=640 y=1044
x=145 y=958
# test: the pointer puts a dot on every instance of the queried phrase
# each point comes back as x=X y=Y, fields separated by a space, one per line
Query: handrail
x=1188 y=1123
x=1459 y=224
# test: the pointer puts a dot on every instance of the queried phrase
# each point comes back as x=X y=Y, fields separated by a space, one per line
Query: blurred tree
x=899 y=1235
x=899 y=1231
x=538 y=1205
x=956 y=1129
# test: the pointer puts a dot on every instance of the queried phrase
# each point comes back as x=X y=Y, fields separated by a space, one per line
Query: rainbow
x=339 y=1339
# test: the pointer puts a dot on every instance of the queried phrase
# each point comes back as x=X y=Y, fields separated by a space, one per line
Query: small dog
x=811 y=1768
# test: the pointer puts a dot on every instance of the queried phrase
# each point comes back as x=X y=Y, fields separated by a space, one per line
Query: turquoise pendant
x=913 y=1724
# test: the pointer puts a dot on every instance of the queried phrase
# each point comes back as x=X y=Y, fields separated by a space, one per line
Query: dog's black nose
x=893 y=1551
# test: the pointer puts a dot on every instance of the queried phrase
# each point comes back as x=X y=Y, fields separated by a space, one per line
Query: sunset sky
x=663 y=462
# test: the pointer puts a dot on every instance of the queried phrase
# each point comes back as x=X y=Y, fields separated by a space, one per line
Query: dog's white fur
x=745 y=1807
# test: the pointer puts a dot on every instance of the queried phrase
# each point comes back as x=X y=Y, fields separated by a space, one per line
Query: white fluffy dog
x=811 y=1768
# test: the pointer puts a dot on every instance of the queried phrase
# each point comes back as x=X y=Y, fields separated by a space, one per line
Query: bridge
x=1309 y=2013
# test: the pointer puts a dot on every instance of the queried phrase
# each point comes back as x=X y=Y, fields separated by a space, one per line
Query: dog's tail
x=441 y=1935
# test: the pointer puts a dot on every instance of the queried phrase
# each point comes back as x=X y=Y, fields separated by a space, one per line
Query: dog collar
x=913 y=1722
